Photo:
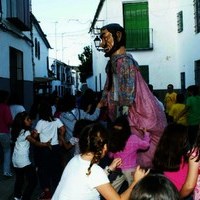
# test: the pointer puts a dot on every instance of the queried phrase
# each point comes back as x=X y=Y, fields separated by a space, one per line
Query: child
x=50 y=169
x=74 y=141
x=193 y=112
x=171 y=154
x=176 y=110
x=23 y=168
x=155 y=187
x=170 y=98
x=83 y=178
x=69 y=117
x=125 y=145
x=192 y=182
x=72 y=114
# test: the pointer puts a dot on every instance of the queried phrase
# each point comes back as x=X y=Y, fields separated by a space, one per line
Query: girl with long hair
x=192 y=182
x=155 y=187
x=171 y=155
x=21 y=135
x=49 y=165
x=125 y=145
x=83 y=178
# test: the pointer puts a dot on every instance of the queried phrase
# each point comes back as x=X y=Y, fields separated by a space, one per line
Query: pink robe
x=130 y=89
x=146 y=113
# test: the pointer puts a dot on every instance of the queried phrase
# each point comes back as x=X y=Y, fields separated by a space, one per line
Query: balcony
x=139 y=39
x=18 y=13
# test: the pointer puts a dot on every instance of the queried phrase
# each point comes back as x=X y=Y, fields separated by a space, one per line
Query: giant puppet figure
x=126 y=92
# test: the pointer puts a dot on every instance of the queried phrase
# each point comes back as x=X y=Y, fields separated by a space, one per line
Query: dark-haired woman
x=192 y=182
x=50 y=129
x=83 y=178
x=171 y=155
x=21 y=135
x=155 y=187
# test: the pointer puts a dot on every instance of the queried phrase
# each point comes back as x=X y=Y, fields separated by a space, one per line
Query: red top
x=178 y=177
x=5 y=118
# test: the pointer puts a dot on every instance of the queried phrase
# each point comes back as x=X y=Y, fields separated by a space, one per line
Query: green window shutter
x=136 y=24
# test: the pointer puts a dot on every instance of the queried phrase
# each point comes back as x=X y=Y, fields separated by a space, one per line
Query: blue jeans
x=5 y=143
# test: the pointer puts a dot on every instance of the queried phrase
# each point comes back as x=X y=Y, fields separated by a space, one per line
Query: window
x=183 y=82
x=36 y=48
x=180 y=21
x=47 y=61
x=62 y=74
x=197 y=72
x=0 y=7
x=197 y=15
x=136 y=24
x=16 y=71
x=58 y=71
x=18 y=13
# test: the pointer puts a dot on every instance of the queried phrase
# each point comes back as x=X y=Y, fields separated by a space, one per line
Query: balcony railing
x=139 y=39
x=18 y=13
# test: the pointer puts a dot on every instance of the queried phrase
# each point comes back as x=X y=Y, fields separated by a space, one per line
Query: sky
x=66 y=24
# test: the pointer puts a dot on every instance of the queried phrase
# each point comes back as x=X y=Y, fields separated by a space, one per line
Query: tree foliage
x=86 y=64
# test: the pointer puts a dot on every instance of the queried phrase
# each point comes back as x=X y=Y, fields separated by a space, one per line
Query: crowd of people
x=57 y=144
x=121 y=145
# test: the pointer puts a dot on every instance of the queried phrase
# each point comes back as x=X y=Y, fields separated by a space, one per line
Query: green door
x=136 y=24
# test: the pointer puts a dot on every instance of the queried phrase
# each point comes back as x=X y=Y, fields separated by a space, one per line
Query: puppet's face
x=108 y=42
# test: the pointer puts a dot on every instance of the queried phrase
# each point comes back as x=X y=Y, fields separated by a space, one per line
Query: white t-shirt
x=69 y=119
x=20 y=156
x=48 y=130
x=76 y=185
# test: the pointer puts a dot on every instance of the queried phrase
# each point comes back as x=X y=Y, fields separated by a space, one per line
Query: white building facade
x=172 y=52
x=23 y=50
x=16 y=69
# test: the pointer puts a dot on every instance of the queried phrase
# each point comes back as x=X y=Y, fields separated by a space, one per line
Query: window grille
x=197 y=15
x=180 y=21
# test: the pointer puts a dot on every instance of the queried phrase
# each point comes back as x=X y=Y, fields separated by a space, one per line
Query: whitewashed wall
x=8 y=40
x=173 y=52
x=40 y=64
x=188 y=42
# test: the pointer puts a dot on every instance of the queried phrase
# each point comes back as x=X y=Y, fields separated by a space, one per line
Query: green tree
x=86 y=64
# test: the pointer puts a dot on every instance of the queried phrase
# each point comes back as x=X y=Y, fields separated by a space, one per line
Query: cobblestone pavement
x=7 y=187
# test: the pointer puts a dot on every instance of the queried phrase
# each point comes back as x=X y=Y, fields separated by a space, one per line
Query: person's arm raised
x=191 y=179
x=109 y=193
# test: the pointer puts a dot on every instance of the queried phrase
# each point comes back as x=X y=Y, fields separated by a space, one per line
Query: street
x=7 y=187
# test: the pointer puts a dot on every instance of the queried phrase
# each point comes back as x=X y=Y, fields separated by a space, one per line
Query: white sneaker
x=15 y=198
